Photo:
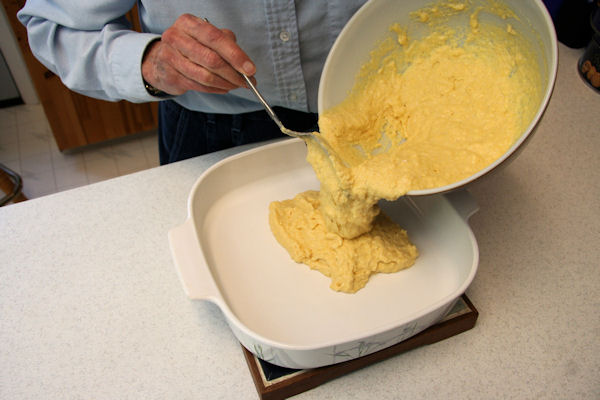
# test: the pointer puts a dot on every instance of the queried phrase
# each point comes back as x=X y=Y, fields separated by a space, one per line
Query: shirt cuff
x=127 y=66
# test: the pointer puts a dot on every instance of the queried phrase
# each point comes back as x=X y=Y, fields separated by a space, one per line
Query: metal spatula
x=274 y=117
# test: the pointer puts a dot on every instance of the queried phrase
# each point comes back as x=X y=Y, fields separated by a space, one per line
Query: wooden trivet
x=274 y=382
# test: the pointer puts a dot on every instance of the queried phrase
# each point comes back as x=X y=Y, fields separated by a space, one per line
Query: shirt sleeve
x=89 y=45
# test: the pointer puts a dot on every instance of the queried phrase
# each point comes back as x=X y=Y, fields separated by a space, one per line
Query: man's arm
x=92 y=48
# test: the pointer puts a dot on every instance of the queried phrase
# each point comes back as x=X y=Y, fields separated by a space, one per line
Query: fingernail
x=249 y=68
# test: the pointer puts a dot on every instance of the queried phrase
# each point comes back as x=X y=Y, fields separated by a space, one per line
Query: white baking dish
x=286 y=313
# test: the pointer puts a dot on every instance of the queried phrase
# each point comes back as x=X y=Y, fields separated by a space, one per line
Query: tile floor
x=28 y=147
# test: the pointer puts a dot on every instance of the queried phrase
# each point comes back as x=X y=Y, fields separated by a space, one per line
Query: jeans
x=184 y=133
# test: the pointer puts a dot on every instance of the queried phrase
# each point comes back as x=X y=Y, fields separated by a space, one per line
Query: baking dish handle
x=190 y=263
x=464 y=203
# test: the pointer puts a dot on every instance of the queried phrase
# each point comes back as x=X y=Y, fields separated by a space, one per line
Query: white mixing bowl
x=371 y=24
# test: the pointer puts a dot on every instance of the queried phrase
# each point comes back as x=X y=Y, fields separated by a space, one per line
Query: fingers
x=199 y=62
x=214 y=48
x=195 y=55
x=231 y=35
x=166 y=70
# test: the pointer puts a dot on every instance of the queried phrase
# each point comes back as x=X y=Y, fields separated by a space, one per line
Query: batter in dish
x=425 y=112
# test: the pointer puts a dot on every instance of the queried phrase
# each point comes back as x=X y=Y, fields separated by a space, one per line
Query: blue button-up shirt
x=90 y=46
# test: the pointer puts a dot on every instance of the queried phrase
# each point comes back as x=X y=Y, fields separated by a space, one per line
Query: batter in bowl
x=425 y=112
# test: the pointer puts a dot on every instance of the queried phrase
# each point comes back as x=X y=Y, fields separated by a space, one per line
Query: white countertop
x=91 y=305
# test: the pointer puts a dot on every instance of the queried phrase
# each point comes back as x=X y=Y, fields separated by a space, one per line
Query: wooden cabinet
x=78 y=120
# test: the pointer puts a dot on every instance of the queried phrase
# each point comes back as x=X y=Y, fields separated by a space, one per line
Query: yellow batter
x=298 y=225
x=425 y=112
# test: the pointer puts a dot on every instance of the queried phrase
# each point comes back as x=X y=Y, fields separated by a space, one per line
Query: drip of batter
x=425 y=112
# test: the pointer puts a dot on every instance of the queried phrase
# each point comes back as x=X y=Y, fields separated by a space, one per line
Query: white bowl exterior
x=371 y=24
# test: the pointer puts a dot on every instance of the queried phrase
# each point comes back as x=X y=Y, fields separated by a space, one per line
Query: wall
x=15 y=62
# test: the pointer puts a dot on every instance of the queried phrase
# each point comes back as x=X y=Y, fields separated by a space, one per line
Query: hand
x=195 y=55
